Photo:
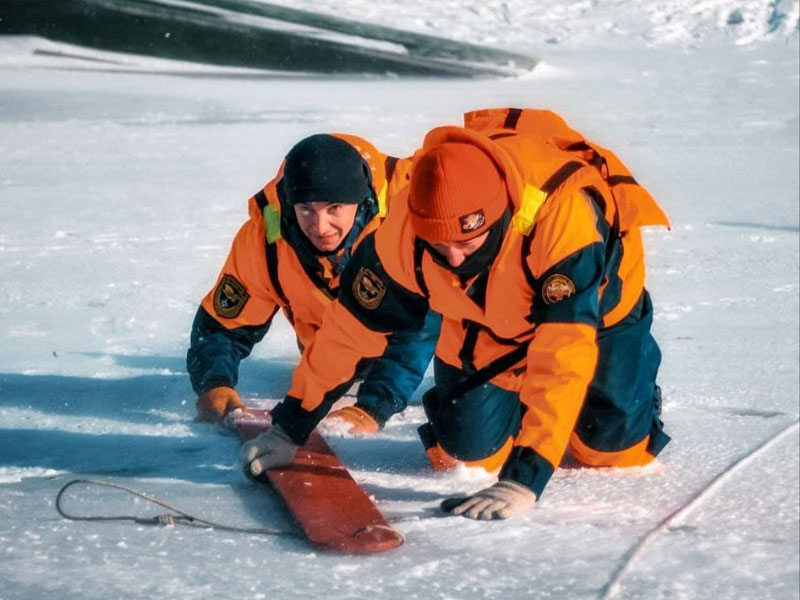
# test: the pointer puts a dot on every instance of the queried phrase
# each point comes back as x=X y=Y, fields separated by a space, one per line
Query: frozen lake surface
x=120 y=194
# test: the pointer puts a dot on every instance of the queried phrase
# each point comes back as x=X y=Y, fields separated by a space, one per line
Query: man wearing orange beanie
x=526 y=238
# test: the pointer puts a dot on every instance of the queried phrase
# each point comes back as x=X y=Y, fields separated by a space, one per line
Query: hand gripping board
x=332 y=509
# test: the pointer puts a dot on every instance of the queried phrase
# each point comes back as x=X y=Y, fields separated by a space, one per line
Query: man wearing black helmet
x=330 y=192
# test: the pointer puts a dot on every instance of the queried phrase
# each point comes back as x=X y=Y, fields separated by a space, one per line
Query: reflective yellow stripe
x=382 y=207
x=525 y=217
x=272 y=223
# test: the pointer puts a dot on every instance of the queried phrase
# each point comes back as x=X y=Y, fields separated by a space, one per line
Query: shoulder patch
x=230 y=297
x=368 y=288
x=556 y=288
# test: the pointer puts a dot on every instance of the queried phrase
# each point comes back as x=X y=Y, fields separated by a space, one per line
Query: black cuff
x=527 y=467
x=296 y=420
x=299 y=422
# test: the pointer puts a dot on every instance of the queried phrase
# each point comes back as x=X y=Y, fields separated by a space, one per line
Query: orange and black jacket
x=571 y=263
x=272 y=266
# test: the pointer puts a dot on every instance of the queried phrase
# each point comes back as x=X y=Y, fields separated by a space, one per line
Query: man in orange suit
x=526 y=238
x=329 y=194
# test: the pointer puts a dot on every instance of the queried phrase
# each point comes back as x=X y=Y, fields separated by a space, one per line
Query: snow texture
x=527 y=24
x=122 y=191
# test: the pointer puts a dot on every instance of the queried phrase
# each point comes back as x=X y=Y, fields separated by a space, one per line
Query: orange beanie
x=456 y=193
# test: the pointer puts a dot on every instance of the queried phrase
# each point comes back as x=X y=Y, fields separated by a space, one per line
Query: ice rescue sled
x=333 y=511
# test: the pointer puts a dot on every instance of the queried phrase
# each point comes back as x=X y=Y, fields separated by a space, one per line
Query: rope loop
x=176 y=517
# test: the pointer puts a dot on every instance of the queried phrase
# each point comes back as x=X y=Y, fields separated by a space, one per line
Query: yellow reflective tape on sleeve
x=272 y=223
x=525 y=217
x=382 y=206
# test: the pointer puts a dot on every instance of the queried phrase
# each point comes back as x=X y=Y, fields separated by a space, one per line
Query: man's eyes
x=330 y=209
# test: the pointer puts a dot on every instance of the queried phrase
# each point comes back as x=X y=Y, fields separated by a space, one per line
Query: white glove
x=503 y=500
x=273 y=448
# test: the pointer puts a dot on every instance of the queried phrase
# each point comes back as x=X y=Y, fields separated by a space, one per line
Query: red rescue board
x=332 y=509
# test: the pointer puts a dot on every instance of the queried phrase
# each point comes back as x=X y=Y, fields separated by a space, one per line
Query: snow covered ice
x=120 y=193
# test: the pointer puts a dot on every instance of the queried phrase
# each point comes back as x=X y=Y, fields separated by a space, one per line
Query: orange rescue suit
x=302 y=294
x=390 y=282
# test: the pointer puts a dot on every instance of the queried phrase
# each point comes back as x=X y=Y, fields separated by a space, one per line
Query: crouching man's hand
x=505 y=499
x=273 y=448
x=218 y=402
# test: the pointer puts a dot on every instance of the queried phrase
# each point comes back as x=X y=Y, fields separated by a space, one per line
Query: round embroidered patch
x=368 y=288
x=556 y=288
x=472 y=221
x=230 y=297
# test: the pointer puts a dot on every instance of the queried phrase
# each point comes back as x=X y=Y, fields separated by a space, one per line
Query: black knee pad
x=474 y=425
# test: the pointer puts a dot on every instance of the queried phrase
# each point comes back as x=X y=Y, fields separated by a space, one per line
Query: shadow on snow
x=138 y=399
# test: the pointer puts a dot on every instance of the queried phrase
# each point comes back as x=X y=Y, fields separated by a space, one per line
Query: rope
x=613 y=585
x=167 y=520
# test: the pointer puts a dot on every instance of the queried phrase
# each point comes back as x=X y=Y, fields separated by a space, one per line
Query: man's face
x=455 y=253
x=325 y=224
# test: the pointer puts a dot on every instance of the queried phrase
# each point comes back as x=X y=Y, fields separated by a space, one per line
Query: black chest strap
x=272 y=271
